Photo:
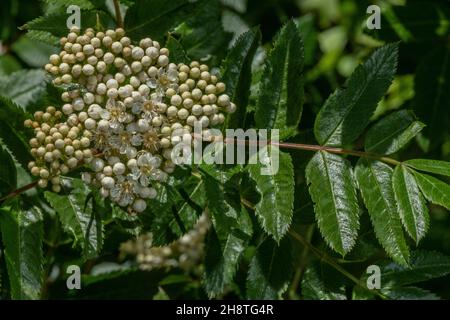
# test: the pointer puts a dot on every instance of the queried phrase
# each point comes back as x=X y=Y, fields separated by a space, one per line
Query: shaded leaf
x=270 y=270
x=281 y=90
x=8 y=64
x=237 y=75
x=122 y=284
x=334 y=193
x=392 y=133
x=417 y=21
x=201 y=30
x=277 y=195
x=424 y=265
x=77 y=216
x=223 y=252
x=8 y=174
x=22 y=234
x=61 y=5
x=177 y=52
x=314 y=288
x=306 y=25
x=56 y=22
x=32 y=52
x=230 y=235
x=155 y=17
x=12 y=131
x=23 y=86
x=409 y=293
x=432 y=98
x=43 y=36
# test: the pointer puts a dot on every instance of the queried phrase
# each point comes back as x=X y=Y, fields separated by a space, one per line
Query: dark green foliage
x=334 y=194
x=270 y=270
x=22 y=236
x=75 y=210
x=237 y=73
x=347 y=111
x=374 y=180
x=280 y=101
x=392 y=133
x=368 y=185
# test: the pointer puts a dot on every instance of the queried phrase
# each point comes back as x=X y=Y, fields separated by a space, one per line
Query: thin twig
x=119 y=19
x=20 y=190
x=329 y=260
x=35 y=183
x=302 y=263
x=361 y=154
x=305 y=147
x=286 y=145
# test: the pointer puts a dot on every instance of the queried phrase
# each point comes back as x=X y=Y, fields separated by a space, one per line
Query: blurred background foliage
x=336 y=40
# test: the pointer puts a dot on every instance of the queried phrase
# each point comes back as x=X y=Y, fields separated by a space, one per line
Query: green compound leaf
x=409 y=293
x=410 y=203
x=223 y=253
x=334 y=193
x=56 y=23
x=33 y=52
x=314 y=287
x=237 y=73
x=22 y=234
x=424 y=265
x=155 y=17
x=434 y=190
x=347 y=111
x=375 y=183
x=270 y=270
x=44 y=37
x=280 y=101
x=229 y=237
x=8 y=173
x=202 y=33
x=276 y=206
x=392 y=133
x=12 y=130
x=23 y=86
x=75 y=211
x=432 y=166
x=177 y=52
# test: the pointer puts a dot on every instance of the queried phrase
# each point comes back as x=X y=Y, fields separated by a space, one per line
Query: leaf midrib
x=388 y=208
x=410 y=199
x=374 y=146
x=333 y=197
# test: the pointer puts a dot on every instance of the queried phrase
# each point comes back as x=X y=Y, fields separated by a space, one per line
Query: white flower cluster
x=184 y=253
x=123 y=105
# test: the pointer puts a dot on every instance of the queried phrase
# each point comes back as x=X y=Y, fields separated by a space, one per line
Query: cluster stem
x=285 y=145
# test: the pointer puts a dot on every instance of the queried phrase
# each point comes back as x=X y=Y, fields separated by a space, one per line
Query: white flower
x=164 y=80
x=151 y=141
x=101 y=140
x=125 y=141
x=147 y=169
x=124 y=191
x=115 y=112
